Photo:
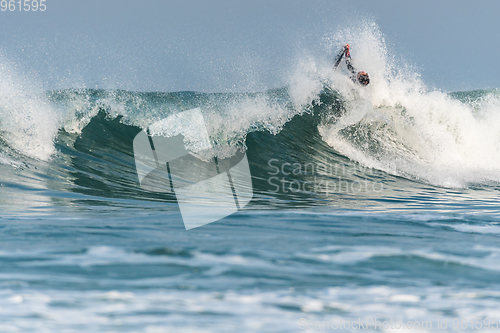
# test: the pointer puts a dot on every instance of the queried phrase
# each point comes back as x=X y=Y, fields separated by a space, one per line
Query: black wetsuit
x=348 y=61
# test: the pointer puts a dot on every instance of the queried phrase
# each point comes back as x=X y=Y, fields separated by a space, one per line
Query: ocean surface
x=376 y=203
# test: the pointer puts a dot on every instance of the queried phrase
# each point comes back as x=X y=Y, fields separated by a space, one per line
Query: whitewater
x=377 y=201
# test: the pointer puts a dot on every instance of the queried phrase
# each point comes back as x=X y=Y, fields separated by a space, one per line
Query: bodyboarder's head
x=363 y=78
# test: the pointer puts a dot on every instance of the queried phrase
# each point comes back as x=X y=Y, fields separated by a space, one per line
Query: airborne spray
x=398 y=125
x=27 y=121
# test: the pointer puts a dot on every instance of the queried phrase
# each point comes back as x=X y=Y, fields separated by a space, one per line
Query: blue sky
x=228 y=45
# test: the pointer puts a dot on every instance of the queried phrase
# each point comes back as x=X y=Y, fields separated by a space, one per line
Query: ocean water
x=370 y=204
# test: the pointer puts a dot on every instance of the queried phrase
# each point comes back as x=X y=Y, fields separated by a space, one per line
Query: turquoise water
x=369 y=204
x=83 y=248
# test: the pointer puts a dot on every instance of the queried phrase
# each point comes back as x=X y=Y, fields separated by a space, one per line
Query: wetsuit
x=348 y=61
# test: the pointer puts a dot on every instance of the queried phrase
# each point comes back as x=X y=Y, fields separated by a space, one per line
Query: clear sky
x=217 y=45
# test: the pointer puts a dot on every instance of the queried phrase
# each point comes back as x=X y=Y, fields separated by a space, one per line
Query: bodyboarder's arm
x=339 y=57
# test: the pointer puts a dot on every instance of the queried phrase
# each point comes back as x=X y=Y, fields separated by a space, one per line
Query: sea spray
x=27 y=121
x=397 y=124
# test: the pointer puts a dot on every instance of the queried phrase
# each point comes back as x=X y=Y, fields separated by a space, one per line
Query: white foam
x=228 y=119
x=161 y=310
x=479 y=229
x=403 y=127
x=28 y=123
x=350 y=255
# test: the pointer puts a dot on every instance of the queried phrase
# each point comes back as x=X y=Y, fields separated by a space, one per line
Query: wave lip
x=396 y=128
x=353 y=162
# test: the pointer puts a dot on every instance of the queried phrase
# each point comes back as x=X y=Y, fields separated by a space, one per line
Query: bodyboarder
x=360 y=77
